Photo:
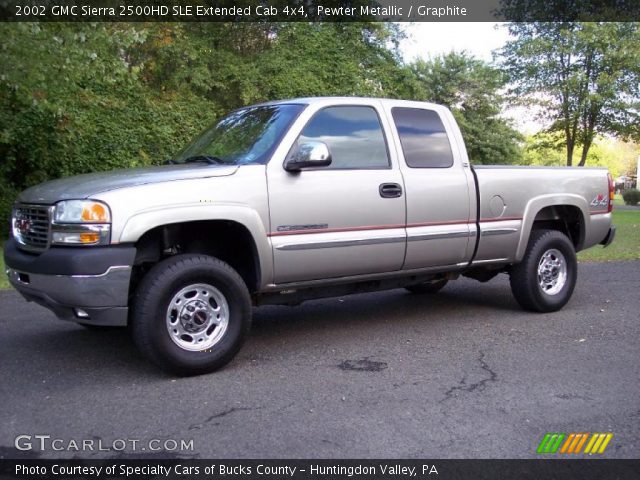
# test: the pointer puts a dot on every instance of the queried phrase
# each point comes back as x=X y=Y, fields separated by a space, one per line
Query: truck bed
x=512 y=197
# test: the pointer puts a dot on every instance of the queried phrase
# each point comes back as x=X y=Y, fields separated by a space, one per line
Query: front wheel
x=191 y=314
x=545 y=279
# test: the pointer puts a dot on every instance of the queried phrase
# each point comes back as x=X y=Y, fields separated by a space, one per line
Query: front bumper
x=79 y=294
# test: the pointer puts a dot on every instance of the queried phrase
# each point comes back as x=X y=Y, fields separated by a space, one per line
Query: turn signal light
x=89 y=237
x=94 y=212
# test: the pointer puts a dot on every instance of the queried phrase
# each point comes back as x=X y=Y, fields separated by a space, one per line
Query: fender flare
x=140 y=223
x=536 y=204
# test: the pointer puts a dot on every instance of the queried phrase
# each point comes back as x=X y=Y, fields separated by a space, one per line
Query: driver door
x=344 y=219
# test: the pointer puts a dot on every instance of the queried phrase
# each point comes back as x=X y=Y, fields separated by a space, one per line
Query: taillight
x=612 y=191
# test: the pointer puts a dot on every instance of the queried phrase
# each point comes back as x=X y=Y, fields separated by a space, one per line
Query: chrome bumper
x=91 y=299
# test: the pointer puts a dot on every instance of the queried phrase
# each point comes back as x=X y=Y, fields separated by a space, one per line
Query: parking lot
x=464 y=373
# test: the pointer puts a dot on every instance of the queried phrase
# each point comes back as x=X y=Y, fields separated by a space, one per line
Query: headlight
x=81 y=211
x=81 y=222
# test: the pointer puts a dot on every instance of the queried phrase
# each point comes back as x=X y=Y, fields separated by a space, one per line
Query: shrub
x=631 y=196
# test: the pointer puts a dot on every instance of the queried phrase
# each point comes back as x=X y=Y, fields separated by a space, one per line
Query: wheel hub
x=197 y=317
x=552 y=271
x=194 y=316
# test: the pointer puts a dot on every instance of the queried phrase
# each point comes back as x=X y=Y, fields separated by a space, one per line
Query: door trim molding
x=303 y=231
x=340 y=243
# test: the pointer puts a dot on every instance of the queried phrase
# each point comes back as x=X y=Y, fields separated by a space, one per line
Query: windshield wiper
x=211 y=160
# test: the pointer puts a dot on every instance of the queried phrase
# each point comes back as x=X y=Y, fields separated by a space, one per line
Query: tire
x=191 y=314
x=545 y=279
x=428 y=287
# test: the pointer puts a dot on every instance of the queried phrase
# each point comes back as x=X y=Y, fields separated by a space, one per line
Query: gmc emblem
x=23 y=225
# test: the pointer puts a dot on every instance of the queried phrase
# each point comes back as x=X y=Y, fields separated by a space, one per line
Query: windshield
x=248 y=135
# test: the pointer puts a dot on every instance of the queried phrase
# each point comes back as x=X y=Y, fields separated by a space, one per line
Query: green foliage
x=4 y=281
x=631 y=196
x=471 y=88
x=585 y=75
x=72 y=102
x=546 y=149
x=82 y=97
x=543 y=149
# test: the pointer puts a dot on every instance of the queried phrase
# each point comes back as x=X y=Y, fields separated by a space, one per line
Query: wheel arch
x=226 y=235
x=566 y=213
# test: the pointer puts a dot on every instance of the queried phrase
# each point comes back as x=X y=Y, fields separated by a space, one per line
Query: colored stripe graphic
x=573 y=442
x=567 y=443
x=543 y=443
x=598 y=443
x=551 y=442
x=581 y=442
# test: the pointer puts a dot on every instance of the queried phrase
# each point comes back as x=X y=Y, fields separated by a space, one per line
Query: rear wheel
x=545 y=279
x=191 y=314
x=428 y=287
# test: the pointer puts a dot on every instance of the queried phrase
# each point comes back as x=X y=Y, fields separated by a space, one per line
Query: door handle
x=390 y=190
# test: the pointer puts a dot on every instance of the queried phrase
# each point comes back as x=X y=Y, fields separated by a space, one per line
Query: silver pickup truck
x=286 y=201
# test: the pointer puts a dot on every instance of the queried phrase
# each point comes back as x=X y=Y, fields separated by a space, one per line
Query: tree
x=586 y=77
x=73 y=101
x=234 y=64
x=618 y=157
x=82 y=97
x=471 y=89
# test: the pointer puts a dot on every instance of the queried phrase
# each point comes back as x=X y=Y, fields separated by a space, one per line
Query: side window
x=423 y=137
x=352 y=133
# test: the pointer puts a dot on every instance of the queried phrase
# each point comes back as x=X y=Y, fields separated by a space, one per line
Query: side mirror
x=308 y=155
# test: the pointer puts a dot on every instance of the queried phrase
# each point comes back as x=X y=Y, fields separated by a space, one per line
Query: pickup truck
x=292 y=200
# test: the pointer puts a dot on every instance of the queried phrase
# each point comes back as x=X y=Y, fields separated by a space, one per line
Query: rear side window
x=352 y=133
x=424 y=140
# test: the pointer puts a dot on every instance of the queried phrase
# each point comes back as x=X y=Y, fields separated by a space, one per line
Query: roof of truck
x=353 y=100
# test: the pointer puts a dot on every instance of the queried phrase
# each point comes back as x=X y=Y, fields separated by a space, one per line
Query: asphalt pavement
x=464 y=373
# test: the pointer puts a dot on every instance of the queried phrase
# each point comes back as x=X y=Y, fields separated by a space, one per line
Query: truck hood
x=83 y=186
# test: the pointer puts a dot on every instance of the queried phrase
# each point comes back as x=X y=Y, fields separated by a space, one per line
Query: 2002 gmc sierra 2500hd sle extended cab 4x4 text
x=291 y=200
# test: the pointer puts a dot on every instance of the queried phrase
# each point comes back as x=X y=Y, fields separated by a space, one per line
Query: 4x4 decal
x=600 y=201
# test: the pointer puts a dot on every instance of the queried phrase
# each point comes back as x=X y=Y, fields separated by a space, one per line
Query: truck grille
x=31 y=226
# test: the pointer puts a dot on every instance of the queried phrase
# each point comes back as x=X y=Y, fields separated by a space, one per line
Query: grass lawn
x=626 y=245
x=4 y=282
